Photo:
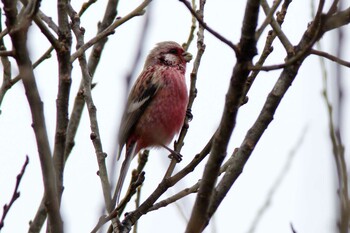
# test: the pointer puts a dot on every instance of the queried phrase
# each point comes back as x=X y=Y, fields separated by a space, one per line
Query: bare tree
x=222 y=164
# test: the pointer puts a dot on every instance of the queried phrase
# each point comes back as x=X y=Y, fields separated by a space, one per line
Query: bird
x=156 y=105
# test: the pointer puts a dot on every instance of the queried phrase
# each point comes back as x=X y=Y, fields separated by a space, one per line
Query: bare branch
x=110 y=29
x=15 y=194
x=330 y=57
x=277 y=183
x=64 y=84
x=277 y=29
x=269 y=16
x=95 y=133
x=265 y=117
x=337 y=20
x=6 y=83
x=19 y=29
x=209 y=29
x=176 y=197
x=178 y=144
x=200 y=217
x=85 y=6
x=267 y=49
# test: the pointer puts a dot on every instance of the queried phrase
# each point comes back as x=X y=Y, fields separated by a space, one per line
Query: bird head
x=168 y=53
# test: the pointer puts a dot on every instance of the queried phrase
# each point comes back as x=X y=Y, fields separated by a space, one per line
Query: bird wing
x=140 y=96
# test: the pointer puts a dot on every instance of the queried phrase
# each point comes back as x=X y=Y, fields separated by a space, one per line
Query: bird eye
x=173 y=51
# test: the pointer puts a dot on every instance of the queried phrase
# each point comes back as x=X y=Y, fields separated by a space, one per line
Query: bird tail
x=129 y=155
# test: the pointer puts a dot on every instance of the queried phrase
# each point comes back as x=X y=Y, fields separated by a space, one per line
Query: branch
x=93 y=62
x=95 y=133
x=163 y=186
x=140 y=10
x=277 y=29
x=6 y=64
x=7 y=53
x=176 y=197
x=330 y=57
x=15 y=194
x=337 y=149
x=64 y=84
x=6 y=85
x=209 y=29
x=267 y=49
x=178 y=144
x=265 y=117
x=269 y=16
x=79 y=102
x=200 y=216
x=85 y=6
x=38 y=19
x=277 y=183
x=337 y=20
x=18 y=28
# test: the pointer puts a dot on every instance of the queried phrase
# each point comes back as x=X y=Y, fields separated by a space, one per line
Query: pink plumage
x=156 y=105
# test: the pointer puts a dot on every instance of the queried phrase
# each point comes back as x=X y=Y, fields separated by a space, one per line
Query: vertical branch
x=178 y=144
x=95 y=133
x=268 y=45
x=18 y=28
x=200 y=215
x=266 y=115
x=109 y=16
x=338 y=150
x=64 y=84
x=6 y=79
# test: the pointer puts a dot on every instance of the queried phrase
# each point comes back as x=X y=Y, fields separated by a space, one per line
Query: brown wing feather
x=136 y=105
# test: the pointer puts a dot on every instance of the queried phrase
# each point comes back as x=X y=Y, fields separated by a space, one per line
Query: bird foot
x=174 y=154
x=189 y=114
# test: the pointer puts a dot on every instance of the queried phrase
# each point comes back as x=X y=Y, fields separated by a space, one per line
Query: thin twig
x=209 y=29
x=19 y=29
x=199 y=217
x=95 y=133
x=193 y=28
x=277 y=183
x=175 y=197
x=264 y=119
x=15 y=194
x=178 y=144
x=330 y=57
x=277 y=29
x=6 y=79
x=85 y=6
x=140 y=10
x=267 y=20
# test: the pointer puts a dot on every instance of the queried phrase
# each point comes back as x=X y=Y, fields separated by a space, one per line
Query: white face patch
x=171 y=59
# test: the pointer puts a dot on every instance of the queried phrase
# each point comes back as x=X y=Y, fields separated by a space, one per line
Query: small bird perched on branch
x=156 y=105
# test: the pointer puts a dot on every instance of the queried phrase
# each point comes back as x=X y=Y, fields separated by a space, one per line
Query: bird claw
x=174 y=154
x=189 y=114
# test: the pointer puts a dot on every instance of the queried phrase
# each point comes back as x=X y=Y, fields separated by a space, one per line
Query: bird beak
x=187 y=56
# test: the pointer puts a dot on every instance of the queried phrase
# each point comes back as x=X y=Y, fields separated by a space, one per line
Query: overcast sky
x=307 y=196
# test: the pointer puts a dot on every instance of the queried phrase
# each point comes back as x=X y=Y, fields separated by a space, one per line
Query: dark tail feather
x=129 y=155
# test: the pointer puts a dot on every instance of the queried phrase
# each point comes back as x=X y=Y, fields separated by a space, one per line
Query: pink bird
x=156 y=105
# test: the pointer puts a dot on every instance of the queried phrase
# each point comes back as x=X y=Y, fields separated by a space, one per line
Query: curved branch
x=200 y=217
x=19 y=29
x=330 y=57
x=140 y=10
x=209 y=29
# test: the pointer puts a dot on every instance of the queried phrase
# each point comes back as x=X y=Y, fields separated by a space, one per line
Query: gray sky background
x=307 y=196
